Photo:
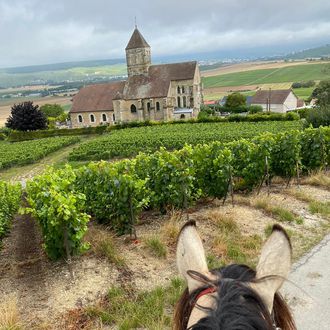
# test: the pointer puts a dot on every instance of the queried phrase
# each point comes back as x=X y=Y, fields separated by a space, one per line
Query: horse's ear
x=190 y=255
x=274 y=265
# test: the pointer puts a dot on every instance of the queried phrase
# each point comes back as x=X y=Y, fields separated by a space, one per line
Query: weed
x=9 y=315
x=322 y=208
x=147 y=310
x=320 y=180
x=156 y=247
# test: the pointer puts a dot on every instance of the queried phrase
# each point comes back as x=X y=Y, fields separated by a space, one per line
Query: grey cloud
x=44 y=31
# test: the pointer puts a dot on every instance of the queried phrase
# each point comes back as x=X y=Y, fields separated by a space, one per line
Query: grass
x=280 y=213
x=144 y=310
x=229 y=245
x=322 y=208
x=156 y=247
x=9 y=315
x=171 y=229
x=319 y=180
x=102 y=244
x=293 y=73
x=303 y=93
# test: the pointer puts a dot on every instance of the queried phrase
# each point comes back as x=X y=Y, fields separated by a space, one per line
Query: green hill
x=318 y=52
x=292 y=73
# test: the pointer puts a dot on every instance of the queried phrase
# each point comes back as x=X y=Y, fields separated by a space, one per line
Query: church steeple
x=138 y=55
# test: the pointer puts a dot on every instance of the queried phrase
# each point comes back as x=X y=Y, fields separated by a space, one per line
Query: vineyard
x=27 y=152
x=10 y=196
x=116 y=193
x=129 y=142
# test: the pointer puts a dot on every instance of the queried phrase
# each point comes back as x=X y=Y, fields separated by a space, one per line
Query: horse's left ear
x=274 y=265
x=190 y=255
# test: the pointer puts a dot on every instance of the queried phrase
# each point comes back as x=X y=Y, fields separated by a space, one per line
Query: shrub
x=255 y=109
x=319 y=116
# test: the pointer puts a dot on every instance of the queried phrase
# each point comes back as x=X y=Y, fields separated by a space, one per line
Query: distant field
x=5 y=106
x=293 y=73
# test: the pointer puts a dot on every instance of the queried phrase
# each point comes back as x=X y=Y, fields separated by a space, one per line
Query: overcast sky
x=50 y=31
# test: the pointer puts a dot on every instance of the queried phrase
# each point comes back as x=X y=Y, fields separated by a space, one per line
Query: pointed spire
x=137 y=40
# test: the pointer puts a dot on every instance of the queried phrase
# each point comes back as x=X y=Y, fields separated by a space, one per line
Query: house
x=151 y=92
x=277 y=100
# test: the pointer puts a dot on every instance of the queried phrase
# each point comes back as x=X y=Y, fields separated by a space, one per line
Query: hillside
x=323 y=51
x=303 y=72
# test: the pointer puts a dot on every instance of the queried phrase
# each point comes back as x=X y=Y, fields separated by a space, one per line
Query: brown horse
x=234 y=297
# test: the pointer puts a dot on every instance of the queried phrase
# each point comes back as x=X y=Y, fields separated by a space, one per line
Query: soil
x=45 y=290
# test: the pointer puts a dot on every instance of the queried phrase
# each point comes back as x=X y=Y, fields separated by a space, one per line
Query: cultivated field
x=5 y=106
x=248 y=77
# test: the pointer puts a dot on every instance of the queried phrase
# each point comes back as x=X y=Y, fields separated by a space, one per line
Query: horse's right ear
x=190 y=256
x=274 y=265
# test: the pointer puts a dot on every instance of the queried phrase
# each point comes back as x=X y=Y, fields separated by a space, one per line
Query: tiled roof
x=275 y=96
x=137 y=41
x=96 y=97
x=157 y=82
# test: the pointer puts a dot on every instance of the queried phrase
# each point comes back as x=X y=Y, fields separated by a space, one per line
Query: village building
x=151 y=92
x=281 y=101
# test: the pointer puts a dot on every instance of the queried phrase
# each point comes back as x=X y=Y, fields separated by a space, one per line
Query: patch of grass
x=322 y=208
x=156 y=247
x=213 y=262
x=280 y=213
x=171 y=229
x=300 y=195
x=9 y=315
x=102 y=244
x=319 y=180
x=145 y=310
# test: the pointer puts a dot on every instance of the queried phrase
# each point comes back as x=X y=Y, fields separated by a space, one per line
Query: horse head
x=233 y=297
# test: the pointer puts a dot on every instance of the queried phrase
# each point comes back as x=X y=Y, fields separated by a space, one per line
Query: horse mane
x=238 y=306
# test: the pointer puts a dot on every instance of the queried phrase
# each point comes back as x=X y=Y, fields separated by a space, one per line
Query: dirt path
x=23 y=268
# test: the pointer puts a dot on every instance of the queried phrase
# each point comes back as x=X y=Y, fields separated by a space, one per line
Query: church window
x=182 y=89
x=179 y=90
x=184 y=102
x=182 y=116
x=92 y=118
x=157 y=106
x=133 y=108
x=80 y=118
x=148 y=106
x=113 y=117
x=104 y=117
x=179 y=102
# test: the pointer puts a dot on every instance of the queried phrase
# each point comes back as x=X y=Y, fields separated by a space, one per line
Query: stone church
x=151 y=92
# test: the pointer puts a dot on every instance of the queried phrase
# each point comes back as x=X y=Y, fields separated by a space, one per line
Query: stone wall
x=88 y=116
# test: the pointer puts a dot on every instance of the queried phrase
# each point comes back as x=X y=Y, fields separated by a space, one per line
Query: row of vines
x=27 y=152
x=10 y=196
x=129 y=142
x=116 y=193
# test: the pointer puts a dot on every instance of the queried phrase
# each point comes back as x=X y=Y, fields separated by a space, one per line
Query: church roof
x=137 y=41
x=276 y=96
x=96 y=97
x=157 y=82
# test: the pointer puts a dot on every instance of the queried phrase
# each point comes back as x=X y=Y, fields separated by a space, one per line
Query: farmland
x=276 y=75
x=129 y=142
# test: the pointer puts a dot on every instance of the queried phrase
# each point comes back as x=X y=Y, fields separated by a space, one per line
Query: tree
x=26 y=117
x=322 y=93
x=52 y=110
x=235 y=100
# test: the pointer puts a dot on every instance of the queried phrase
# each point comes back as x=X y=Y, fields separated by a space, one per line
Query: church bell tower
x=138 y=55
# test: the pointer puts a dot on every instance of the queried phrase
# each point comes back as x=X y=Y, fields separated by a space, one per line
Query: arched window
x=157 y=106
x=184 y=102
x=80 y=118
x=133 y=108
x=178 y=89
x=92 y=118
x=113 y=117
x=182 y=89
x=104 y=117
x=179 y=102
x=182 y=116
x=148 y=106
